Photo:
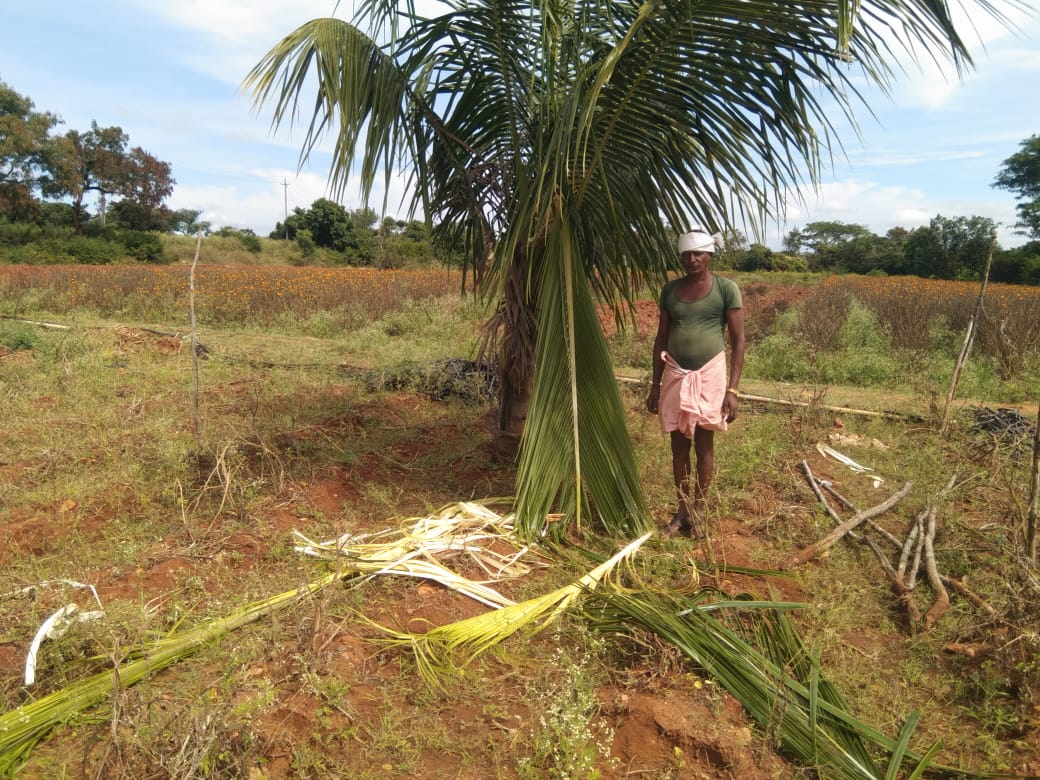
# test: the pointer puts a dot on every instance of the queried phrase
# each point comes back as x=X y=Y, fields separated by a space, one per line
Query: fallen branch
x=915 y=544
x=810 y=552
x=903 y=593
x=969 y=594
x=762 y=399
x=942 y=598
x=38 y=323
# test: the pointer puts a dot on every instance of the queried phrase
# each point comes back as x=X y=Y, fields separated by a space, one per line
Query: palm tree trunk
x=516 y=360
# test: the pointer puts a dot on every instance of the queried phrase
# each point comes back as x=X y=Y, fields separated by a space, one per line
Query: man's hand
x=653 y=398
x=730 y=407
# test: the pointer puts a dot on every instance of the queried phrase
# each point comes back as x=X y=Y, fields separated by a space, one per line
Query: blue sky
x=168 y=73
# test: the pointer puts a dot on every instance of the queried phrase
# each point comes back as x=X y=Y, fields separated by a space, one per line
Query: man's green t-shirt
x=696 y=328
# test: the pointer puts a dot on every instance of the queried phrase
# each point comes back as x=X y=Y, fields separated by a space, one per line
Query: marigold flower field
x=910 y=308
x=224 y=294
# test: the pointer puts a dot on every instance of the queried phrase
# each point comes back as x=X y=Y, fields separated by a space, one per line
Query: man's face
x=696 y=262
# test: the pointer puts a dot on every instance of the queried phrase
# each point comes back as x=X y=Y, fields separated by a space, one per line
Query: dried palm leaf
x=434 y=650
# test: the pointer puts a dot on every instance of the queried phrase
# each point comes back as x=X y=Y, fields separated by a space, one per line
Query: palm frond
x=575 y=443
x=465 y=530
x=765 y=665
x=361 y=97
x=22 y=728
x=436 y=649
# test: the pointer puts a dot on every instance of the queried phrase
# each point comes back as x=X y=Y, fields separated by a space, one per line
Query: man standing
x=690 y=390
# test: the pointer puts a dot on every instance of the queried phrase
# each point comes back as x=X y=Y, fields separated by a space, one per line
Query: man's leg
x=681 y=474
x=704 y=449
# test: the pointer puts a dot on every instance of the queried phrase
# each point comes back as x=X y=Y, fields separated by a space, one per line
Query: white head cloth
x=699 y=240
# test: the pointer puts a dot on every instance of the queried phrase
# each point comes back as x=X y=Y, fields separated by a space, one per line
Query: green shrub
x=865 y=355
x=250 y=241
x=782 y=262
x=18 y=233
x=784 y=355
x=82 y=249
x=141 y=245
x=17 y=336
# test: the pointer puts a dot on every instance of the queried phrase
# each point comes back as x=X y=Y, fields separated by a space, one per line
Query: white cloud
x=260 y=207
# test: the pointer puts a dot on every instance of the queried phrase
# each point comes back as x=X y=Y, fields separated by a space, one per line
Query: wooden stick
x=907 y=547
x=849 y=505
x=903 y=593
x=942 y=598
x=194 y=355
x=969 y=594
x=899 y=585
x=810 y=552
x=911 y=578
x=762 y=399
x=969 y=337
x=51 y=325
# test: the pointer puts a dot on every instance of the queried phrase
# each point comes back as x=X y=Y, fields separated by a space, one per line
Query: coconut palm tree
x=559 y=141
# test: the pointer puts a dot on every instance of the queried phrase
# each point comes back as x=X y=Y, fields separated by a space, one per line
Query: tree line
x=45 y=178
x=945 y=248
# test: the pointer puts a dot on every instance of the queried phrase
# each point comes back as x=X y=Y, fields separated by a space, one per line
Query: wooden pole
x=1034 y=493
x=194 y=354
x=969 y=337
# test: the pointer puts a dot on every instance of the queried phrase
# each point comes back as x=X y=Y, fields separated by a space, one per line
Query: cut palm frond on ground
x=463 y=530
x=780 y=685
x=22 y=728
x=434 y=649
x=459 y=529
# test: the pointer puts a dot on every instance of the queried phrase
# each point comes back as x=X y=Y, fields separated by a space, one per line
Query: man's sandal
x=677 y=526
x=682 y=527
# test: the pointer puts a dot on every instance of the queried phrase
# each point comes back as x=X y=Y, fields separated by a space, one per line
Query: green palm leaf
x=765 y=665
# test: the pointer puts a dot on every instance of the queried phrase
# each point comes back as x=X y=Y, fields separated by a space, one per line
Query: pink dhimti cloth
x=692 y=398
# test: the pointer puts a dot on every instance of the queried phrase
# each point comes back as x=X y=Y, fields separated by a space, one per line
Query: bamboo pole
x=194 y=355
x=1034 y=493
x=969 y=337
x=762 y=399
x=38 y=323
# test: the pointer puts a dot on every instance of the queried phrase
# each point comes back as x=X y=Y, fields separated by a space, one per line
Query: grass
x=104 y=480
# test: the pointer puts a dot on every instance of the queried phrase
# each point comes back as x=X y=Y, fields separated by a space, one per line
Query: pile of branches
x=468 y=380
x=1005 y=426
x=907 y=560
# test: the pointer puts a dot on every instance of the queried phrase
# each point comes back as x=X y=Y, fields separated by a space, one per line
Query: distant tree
x=186 y=222
x=415 y=230
x=1020 y=265
x=892 y=252
x=834 y=246
x=949 y=248
x=246 y=237
x=23 y=138
x=98 y=160
x=131 y=214
x=364 y=218
x=1020 y=173
x=734 y=248
x=327 y=223
x=330 y=226
x=56 y=214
